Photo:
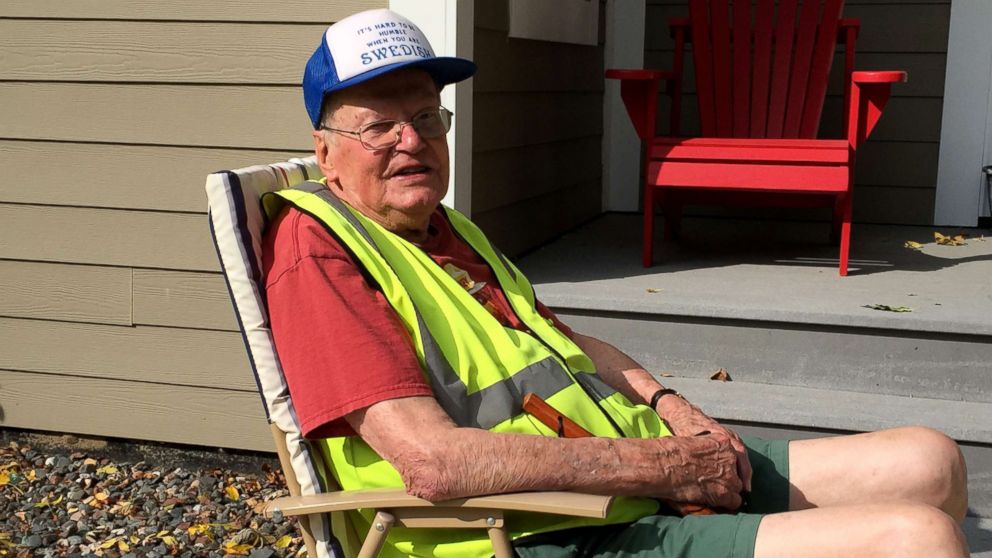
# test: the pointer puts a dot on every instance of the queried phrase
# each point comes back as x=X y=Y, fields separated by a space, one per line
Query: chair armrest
x=846 y=23
x=679 y=23
x=885 y=76
x=870 y=92
x=639 y=75
x=559 y=503
x=639 y=91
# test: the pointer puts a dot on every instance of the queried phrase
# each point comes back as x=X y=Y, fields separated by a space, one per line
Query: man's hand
x=703 y=471
x=685 y=419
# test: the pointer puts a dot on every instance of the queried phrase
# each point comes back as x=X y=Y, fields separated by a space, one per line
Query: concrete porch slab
x=772 y=271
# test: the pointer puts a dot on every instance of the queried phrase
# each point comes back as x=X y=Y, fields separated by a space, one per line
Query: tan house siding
x=896 y=173
x=537 y=133
x=114 y=317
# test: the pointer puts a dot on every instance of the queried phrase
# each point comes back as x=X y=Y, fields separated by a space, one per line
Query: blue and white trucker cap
x=369 y=44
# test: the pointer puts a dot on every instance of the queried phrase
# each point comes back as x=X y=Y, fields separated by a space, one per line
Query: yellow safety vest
x=478 y=368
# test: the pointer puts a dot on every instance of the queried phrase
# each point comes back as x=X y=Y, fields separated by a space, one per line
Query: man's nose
x=410 y=138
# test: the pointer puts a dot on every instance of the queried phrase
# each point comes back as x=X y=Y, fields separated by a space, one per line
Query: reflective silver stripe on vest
x=594 y=386
x=490 y=405
x=495 y=403
x=337 y=204
x=506 y=264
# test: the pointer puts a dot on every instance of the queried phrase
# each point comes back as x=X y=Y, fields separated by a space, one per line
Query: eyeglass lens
x=386 y=133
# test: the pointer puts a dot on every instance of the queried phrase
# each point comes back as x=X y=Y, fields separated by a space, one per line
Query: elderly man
x=408 y=340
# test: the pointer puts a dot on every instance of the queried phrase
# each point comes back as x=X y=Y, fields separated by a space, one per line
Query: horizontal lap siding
x=896 y=172
x=537 y=133
x=113 y=114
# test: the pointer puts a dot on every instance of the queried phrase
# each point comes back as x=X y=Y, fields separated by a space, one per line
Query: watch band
x=661 y=393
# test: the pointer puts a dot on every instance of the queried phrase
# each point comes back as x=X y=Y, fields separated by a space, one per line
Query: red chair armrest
x=676 y=23
x=649 y=75
x=639 y=91
x=870 y=92
x=848 y=23
x=886 y=76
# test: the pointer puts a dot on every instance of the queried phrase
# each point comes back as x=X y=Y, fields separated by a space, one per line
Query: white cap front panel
x=372 y=39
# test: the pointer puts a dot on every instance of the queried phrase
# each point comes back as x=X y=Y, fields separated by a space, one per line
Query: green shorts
x=672 y=536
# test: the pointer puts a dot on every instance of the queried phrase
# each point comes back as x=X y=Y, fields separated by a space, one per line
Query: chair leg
x=845 y=233
x=308 y=541
x=501 y=542
x=648 y=240
x=381 y=524
x=838 y=219
x=673 y=218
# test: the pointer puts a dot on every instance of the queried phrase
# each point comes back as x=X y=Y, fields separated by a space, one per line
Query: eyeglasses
x=383 y=134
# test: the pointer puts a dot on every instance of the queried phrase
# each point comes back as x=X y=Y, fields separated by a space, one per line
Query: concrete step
x=834 y=410
x=852 y=358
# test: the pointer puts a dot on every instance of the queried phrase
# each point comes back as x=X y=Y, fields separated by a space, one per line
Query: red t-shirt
x=341 y=345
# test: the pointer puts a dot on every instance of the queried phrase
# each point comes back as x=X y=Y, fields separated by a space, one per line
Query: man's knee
x=938 y=470
x=922 y=530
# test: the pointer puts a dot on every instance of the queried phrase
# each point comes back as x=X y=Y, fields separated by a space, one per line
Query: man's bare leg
x=896 y=530
x=910 y=464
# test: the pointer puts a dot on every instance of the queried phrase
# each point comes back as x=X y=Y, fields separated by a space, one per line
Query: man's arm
x=625 y=375
x=439 y=460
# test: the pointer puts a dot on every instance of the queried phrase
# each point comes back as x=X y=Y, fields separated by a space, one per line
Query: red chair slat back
x=742 y=74
x=823 y=56
x=762 y=71
x=702 y=58
x=764 y=20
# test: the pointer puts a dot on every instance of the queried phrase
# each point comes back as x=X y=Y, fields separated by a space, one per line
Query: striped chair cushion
x=237 y=223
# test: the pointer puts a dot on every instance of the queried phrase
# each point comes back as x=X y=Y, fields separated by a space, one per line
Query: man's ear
x=322 y=149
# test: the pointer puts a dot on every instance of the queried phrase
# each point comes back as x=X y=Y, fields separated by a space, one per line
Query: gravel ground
x=64 y=501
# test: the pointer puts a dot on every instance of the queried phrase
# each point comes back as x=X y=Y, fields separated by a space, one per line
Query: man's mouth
x=411 y=170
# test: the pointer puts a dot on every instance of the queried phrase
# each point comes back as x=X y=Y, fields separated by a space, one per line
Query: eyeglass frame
x=357 y=134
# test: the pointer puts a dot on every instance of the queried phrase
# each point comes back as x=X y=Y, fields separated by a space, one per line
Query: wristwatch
x=661 y=393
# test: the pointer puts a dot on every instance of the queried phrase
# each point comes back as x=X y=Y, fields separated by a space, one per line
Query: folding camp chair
x=237 y=223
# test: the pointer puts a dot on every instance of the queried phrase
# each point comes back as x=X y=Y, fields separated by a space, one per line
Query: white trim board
x=966 y=129
x=450 y=26
x=621 y=147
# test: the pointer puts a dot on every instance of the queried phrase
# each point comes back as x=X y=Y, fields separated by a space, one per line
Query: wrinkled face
x=398 y=187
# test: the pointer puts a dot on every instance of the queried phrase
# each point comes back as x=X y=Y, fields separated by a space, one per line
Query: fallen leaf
x=232 y=547
x=232 y=493
x=44 y=503
x=283 y=542
x=887 y=308
x=653 y=290
x=101 y=496
x=107 y=470
x=111 y=542
x=949 y=240
x=721 y=375
x=913 y=245
x=90 y=461
x=199 y=529
x=4 y=478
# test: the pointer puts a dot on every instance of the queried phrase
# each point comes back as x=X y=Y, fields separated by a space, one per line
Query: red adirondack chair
x=761 y=90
